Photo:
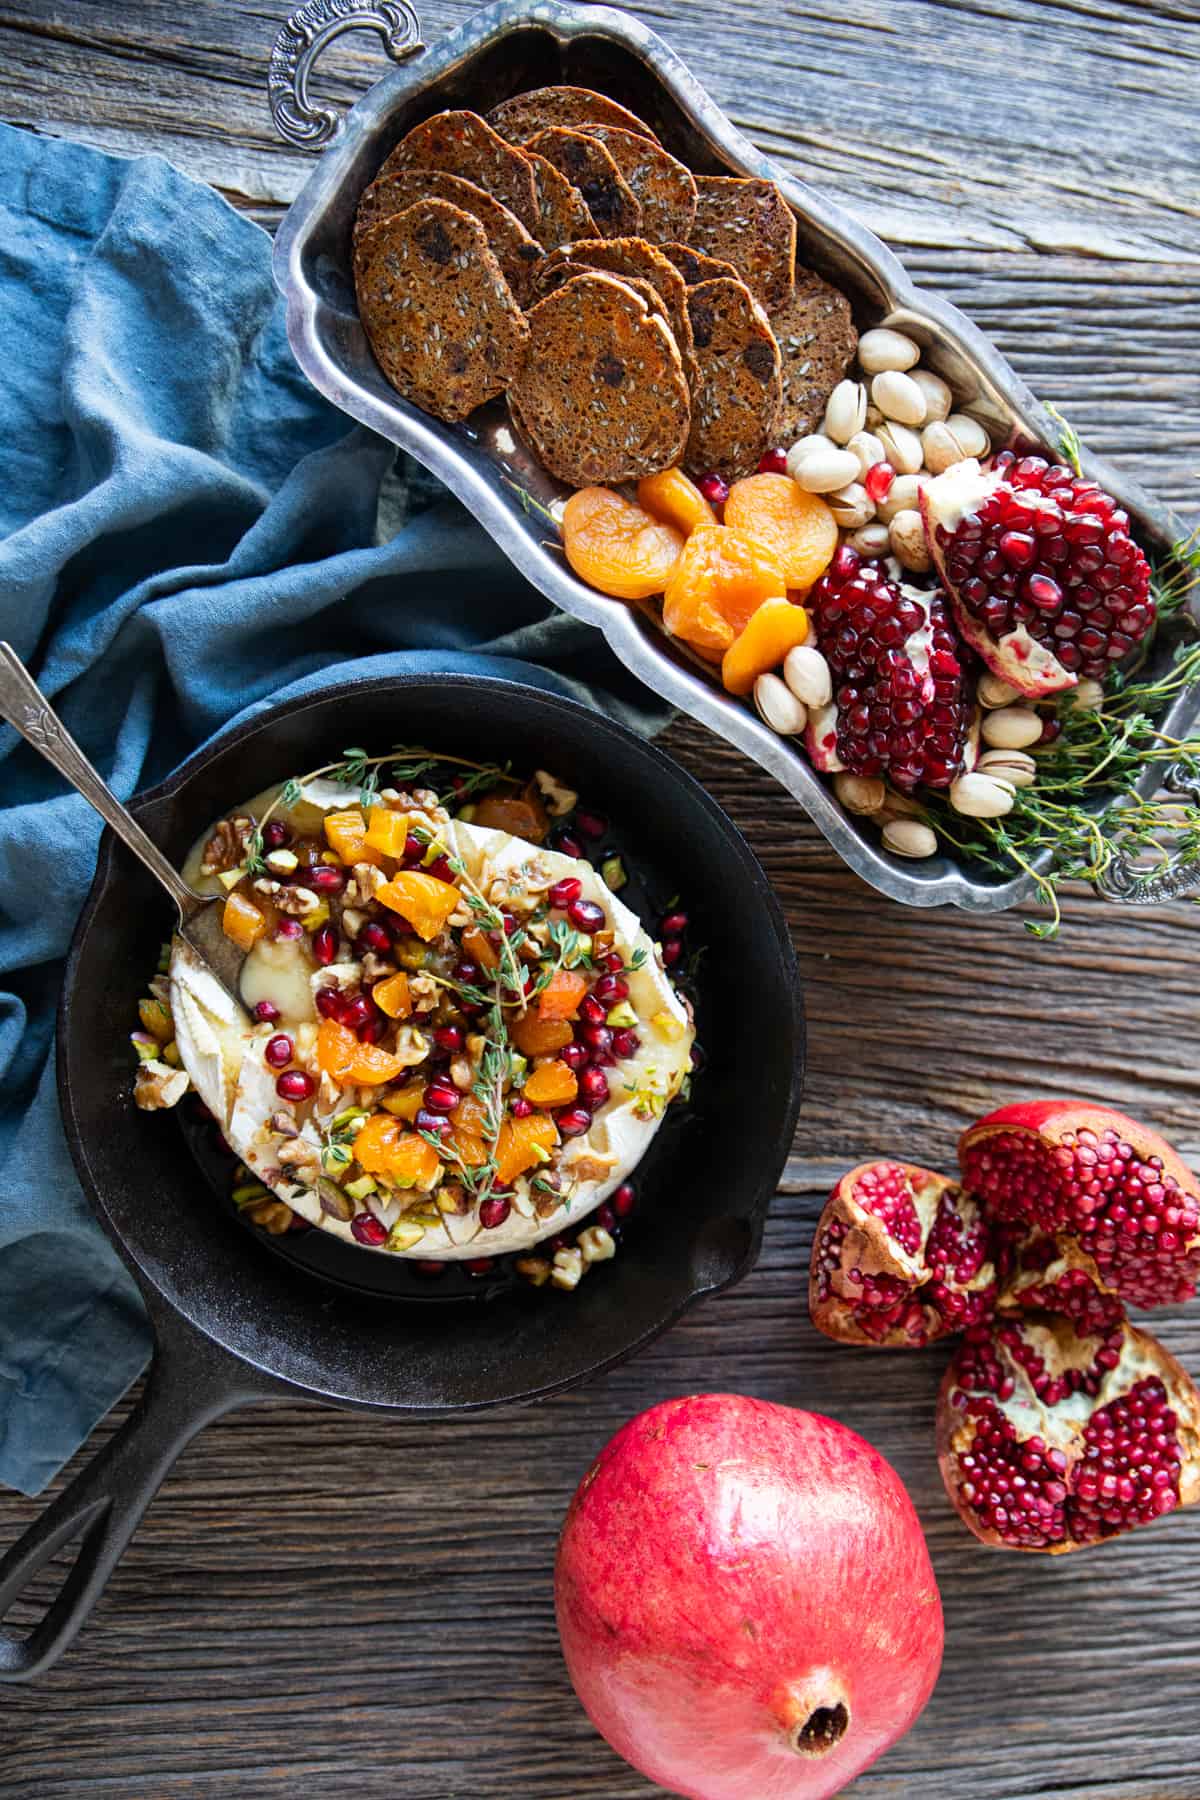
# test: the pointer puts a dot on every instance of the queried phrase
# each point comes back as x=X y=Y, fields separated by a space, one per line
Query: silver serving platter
x=519 y=44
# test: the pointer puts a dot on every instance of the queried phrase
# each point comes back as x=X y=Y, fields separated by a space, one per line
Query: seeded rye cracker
x=461 y=143
x=751 y=225
x=562 y=209
x=735 y=413
x=694 y=266
x=522 y=117
x=602 y=395
x=662 y=186
x=588 y=166
x=510 y=243
x=440 y=316
x=629 y=258
x=817 y=342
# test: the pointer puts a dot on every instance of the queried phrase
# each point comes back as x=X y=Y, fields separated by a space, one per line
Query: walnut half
x=158 y=1086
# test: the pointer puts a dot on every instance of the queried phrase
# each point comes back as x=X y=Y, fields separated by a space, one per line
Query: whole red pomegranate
x=745 y=1600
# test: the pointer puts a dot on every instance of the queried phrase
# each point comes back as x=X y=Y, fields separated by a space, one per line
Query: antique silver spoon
x=26 y=709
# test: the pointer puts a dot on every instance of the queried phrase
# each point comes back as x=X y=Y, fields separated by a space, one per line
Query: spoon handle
x=25 y=707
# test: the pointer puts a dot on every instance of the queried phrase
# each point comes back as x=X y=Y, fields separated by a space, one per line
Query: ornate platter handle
x=301 y=42
x=1122 y=880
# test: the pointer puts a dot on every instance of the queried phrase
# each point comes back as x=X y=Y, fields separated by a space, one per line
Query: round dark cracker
x=588 y=166
x=628 y=258
x=602 y=396
x=522 y=117
x=735 y=412
x=751 y=225
x=510 y=243
x=562 y=209
x=694 y=266
x=440 y=317
x=461 y=143
x=662 y=186
x=817 y=341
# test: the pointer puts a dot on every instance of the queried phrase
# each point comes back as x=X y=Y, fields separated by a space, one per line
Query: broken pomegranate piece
x=903 y=697
x=1113 y=1185
x=1045 y=582
x=1051 y=1439
x=901 y=1258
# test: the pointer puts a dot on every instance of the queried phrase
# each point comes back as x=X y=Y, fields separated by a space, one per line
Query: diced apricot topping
x=535 y=1036
x=721 y=579
x=671 y=497
x=553 y=1084
x=617 y=547
x=406 y=1102
x=242 y=922
x=770 y=633
x=422 y=899
x=560 y=997
x=797 y=528
x=392 y=996
x=480 y=948
x=523 y=1144
x=387 y=831
x=466 y=1132
x=384 y=1147
x=521 y=815
x=347 y=834
x=344 y=1059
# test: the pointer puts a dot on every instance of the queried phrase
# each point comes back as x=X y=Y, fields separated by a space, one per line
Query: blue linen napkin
x=187 y=532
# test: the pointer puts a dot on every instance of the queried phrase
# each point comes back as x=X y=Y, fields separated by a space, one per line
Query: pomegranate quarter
x=745 y=1600
x=1059 y=1424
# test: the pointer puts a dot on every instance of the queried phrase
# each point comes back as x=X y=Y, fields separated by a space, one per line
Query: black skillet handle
x=190 y=1383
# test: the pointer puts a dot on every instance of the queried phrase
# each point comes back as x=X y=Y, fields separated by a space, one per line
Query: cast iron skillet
x=235 y=1322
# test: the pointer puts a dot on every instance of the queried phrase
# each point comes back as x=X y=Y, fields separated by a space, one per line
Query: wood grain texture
x=324 y=1604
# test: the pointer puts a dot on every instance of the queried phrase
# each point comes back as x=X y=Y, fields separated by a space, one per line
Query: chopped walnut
x=427 y=802
x=569 y=1266
x=283 y=1125
x=377 y=968
x=424 y=992
x=596 y=1244
x=588 y=1167
x=158 y=1086
x=369 y=879
x=535 y=1269
x=412 y=1046
x=328 y=1093
x=297 y=901
x=272 y=1216
x=227 y=846
x=557 y=798
x=297 y=1153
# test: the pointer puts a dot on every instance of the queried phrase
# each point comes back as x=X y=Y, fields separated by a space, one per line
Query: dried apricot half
x=671 y=496
x=771 y=632
x=797 y=527
x=719 y=582
x=617 y=547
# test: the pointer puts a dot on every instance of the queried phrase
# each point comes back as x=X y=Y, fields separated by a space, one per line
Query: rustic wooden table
x=325 y=1604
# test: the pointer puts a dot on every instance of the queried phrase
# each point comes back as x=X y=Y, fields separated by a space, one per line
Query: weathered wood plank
x=331 y=1604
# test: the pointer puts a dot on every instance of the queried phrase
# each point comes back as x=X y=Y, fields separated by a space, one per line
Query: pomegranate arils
x=329 y=1003
x=325 y=879
x=573 y=1122
x=878 y=481
x=275 y=834
x=441 y=1098
x=1128 y=1213
x=294 y=1084
x=772 y=462
x=1030 y=1465
x=494 y=1210
x=521 y=1108
x=324 y=944
x=266 y=1012
x=279 y=1050
x=367 y=1229
x=289 y=928
x=901 y=1257
x=625 y=1044
x=1033 y=549
x=585 y=915
x=564 y=891
x=592 y=1010
x=902 y=690
x=375 y=936
x=715 y=488
x=449 y=1037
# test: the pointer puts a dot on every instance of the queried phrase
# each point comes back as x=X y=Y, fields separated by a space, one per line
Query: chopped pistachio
x=404 y=1234
x=229 y=878
x=335 y=1159
x=612 y=872
x=170 y=1054
x=518 y=1068
x=361 y=1187
x=283 y=861
x=352 y=1118
x=668 y=1026
x=622 y=1017
x=317 y=917
x=248 y=1193
x=145 y=1045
